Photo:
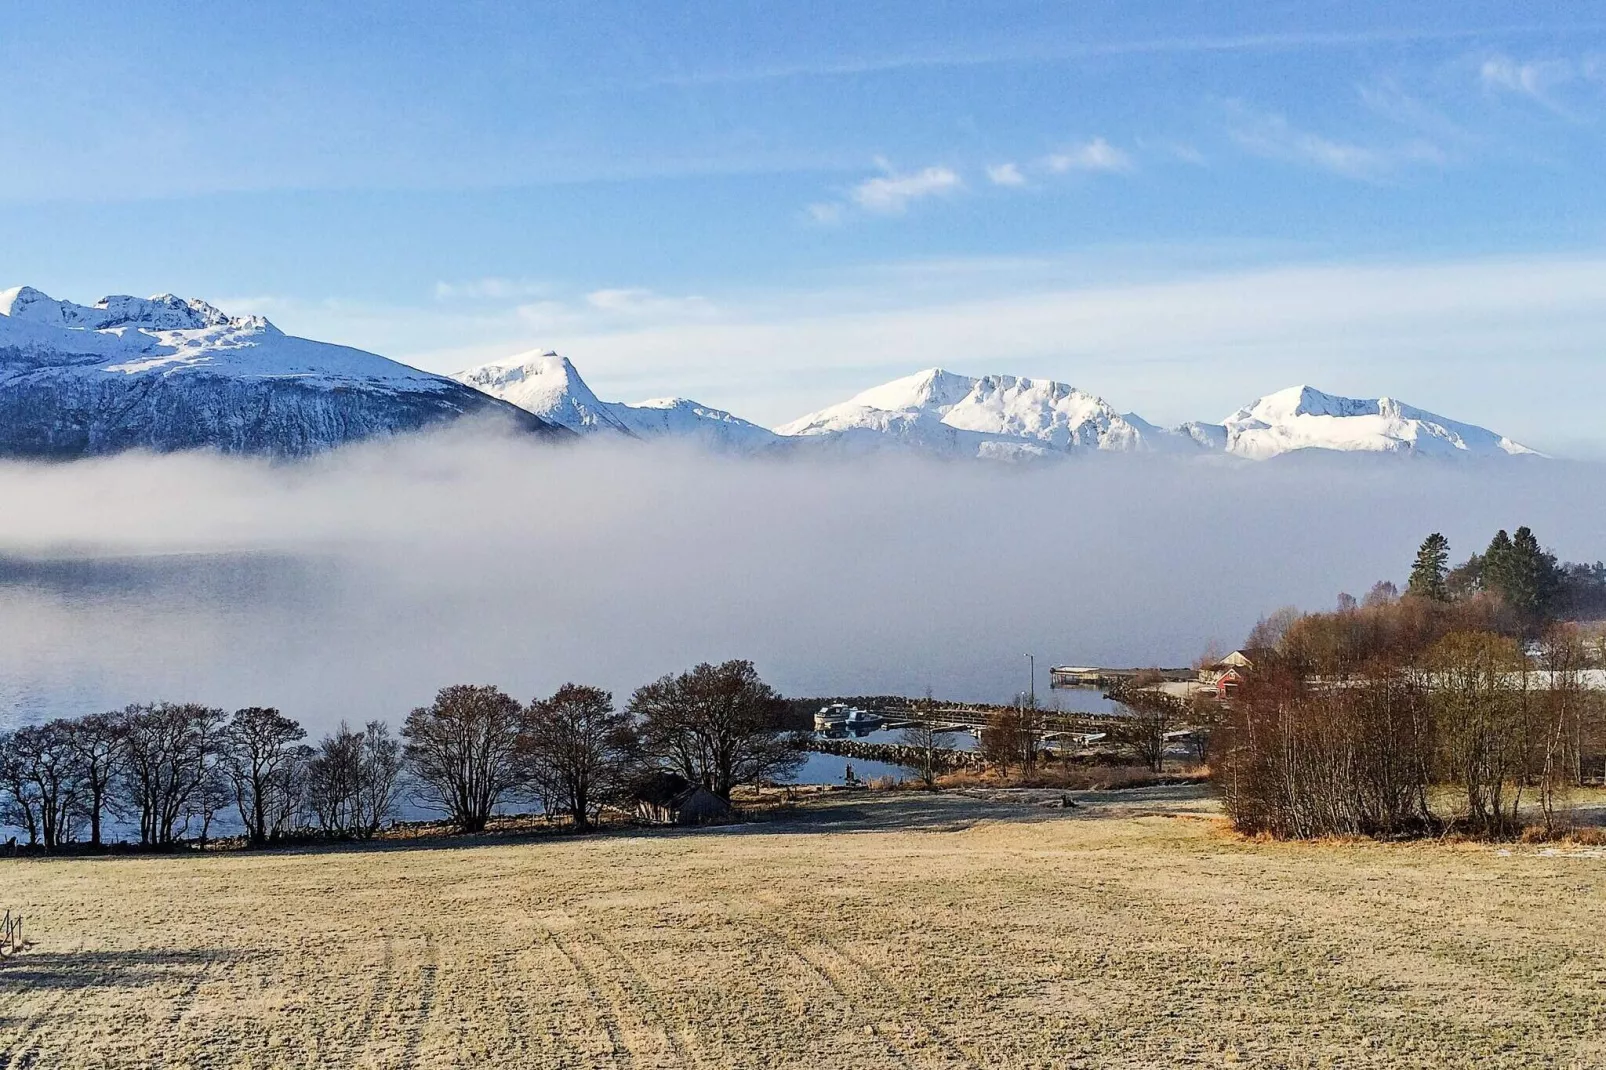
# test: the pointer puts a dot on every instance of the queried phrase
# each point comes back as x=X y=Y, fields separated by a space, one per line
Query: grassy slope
x=901 y=931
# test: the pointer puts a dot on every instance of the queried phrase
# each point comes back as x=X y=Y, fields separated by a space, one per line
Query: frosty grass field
x=900 y=930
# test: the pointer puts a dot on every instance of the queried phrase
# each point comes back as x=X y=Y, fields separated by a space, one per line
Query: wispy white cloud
x=889 y=193
x=638 y=302
x=1272 y=136
x=892 y=192
x=826 y=212
x=1067 y=52
x=1095 y=155
x=1546 y=82
x=490 y=288
x=1005 y=174
x=1388 y=99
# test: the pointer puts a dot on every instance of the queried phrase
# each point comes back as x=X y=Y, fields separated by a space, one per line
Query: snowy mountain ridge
x=983 y=416
x=548 y=385
x=1303 y=417
x=164 y=312
x=1000 y=417
x=164 y=373
x=167 y=373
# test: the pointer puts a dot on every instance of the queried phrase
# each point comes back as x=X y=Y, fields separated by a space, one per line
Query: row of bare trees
x=169 y=770
x=1403 y=718
x=475 y=748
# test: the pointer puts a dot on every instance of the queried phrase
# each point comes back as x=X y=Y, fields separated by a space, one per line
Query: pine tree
x=1429 y=571
x=1523 y=575
x=1532 y=577
x=1497 y=565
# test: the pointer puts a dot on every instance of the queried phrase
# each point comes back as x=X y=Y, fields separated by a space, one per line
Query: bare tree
x=352 y=779
x=467 y=752
x=924 y=742
x=97 y=744
x=261 y=750
x=1480 y=704
x=1564 y=708
x=49 y=764
x=166 y=758
x=334 y=781
x=379 y=765
x=581 y=750
x=1151 y=715
x=1003 y=740
x=19 y=796
x=716 y=725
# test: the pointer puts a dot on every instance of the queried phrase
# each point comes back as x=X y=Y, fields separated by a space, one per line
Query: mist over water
x=355 y=585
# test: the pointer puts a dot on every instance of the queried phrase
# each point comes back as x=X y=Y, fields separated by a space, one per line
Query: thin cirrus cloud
x=490 y=288
x=640 y=302
x=1271 y=136
x=1544 y=82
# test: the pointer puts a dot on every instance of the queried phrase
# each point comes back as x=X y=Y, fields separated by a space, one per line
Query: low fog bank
x=355 y=585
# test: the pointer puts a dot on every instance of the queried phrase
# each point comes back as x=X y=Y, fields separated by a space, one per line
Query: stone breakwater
x=944 y=759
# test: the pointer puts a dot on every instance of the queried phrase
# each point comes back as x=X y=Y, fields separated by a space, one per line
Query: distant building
x=1066 y=676
x=664 y=798
x=1229 y=674
x=1075 y=676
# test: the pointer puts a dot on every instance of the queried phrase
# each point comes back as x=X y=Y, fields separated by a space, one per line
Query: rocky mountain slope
x=547 y=385
x=164 y=374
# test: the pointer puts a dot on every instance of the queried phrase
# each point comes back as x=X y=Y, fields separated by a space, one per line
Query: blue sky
x=1179 y=206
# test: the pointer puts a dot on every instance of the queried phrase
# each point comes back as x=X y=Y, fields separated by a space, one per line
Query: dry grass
x=903 y=930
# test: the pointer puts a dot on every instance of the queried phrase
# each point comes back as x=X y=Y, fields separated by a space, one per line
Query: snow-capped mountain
x=1303 y=418
x=686 y=419
x=548 y=385
x=1000 y=416
x=543 y=383
x=164 y=373
x=991 y=416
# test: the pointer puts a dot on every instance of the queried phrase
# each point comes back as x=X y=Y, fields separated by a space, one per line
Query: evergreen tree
x=1430 y=569
x=1532 y=578
x=1497 y=563
x=1523 y=575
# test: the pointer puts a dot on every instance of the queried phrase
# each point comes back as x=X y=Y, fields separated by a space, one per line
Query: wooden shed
x=664 y=798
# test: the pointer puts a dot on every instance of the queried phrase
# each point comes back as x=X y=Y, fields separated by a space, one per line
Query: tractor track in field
x=427 y=980
x=879 y=981
x=828 y=967
x=607 y=1009
x=642 y=991
x=382 y=989
x=852 y=1007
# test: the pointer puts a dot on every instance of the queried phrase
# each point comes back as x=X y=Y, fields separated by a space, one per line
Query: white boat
x=832 y=717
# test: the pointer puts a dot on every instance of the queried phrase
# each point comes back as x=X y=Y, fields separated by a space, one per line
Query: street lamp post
x=1031 y=662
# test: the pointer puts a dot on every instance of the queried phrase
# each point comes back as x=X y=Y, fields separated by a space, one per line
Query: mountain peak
x=162 y=312
x=548 y=385
x=1303 y=418
x=981 y=416
x=545 y=383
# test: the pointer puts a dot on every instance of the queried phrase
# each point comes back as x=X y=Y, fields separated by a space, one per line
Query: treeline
x=1447 y=707
x=1525 y=579
x=170 y=769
